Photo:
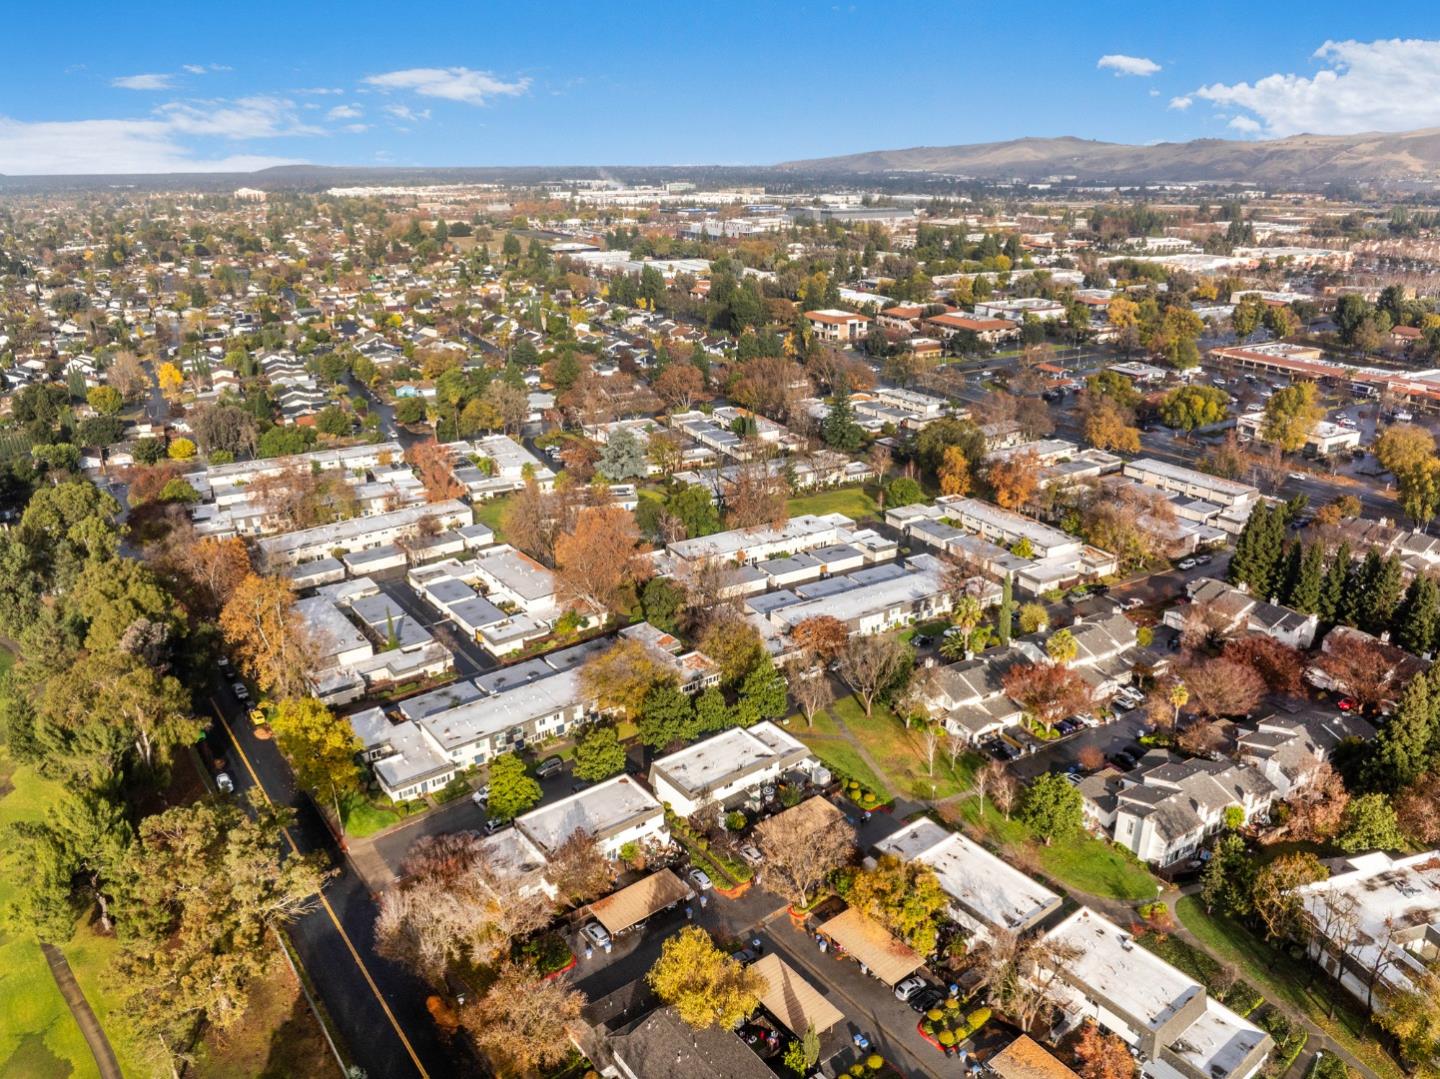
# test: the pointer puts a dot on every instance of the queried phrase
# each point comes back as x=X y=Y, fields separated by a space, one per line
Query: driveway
x=470 y=658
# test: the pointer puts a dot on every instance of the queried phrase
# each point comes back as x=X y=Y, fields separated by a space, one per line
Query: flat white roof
x=465 y=723
x=712 y=763
x=1108 y=961
x=1181 y=474
x=601 y=810
x=987 y=887
x=728 y=544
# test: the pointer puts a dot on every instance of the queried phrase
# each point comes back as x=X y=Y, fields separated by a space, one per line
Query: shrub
x=934 y=1015
x=946 y=1038
x=874 y=1062
x=978 y=1018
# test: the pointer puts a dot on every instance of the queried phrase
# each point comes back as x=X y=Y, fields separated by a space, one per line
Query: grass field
x=1288 y=981
x=1081 y=861
x=834 y=752
x=901 y=753
x=856 y=502
x=38 y=1036
x=489 y=512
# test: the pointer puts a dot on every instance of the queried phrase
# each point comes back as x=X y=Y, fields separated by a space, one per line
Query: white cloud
x=143 y=82
x=243 y=118
x=1182 y=102
x=405 y=112
x=1365 y=86
x=1127 y=65
x=320 y=90
x=450 y=83
x=110 y=146
x=356 y=129
x=343 y=112
x=1245 y=125
x=195 y=69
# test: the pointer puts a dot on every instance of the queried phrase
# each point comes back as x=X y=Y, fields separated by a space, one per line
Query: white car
x=1186 y=563
x=907 y=988
x=1131 y=603
x=241 y=691
x=224 y=783
x=596 y=934
x=700 y=879
x=751 y=854
x=1299 y=476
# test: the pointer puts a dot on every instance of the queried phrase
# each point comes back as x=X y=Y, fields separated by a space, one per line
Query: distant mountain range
x=1300 y=159
x=1406 y=158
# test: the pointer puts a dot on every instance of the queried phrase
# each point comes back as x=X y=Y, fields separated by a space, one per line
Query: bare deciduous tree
x=799 y=855
x=868 y=664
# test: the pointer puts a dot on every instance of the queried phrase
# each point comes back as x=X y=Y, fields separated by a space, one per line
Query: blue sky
x=169 y=87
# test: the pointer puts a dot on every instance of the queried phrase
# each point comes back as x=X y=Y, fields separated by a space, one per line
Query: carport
x=793 y=1000
x=636 y=902
x=871 y=944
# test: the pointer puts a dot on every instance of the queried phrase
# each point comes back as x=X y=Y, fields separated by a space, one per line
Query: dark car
x=1066 y=726
x=1122 y=761
x=926 y=999
x=550 y=766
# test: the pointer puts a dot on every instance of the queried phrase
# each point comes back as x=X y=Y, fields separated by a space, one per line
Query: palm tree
x=1062 y=647
x=1179 y=697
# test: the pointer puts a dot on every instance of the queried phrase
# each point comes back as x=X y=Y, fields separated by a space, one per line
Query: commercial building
x=725 y=768
x=1322 y=440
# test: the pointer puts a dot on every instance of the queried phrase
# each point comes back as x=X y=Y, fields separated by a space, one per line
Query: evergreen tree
x=839 y=429
x=1332 y=593
x=1416 y=617
x=1270 y=554
x=1382 y=596
x=1306 y=593
x=1402 y=750
x=1007 y=607
x=1288 y=575
x=1359 y=586
x=1242 y=563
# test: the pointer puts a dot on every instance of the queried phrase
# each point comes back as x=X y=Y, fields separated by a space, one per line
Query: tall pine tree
x=1332 y=593
x=1416 y=617
x=1383 y=596
x=1288 y=575
x=1359 y=590
x=1310 y=583
x=1402 y=750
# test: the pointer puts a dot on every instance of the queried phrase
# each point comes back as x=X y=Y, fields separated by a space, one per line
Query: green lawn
x=364 y=817
x=38 y=1037
x=1081 y=861
x=1289 y=981
x=901 y=753
x=834 y=752
x=489 y=512
x=856 y=502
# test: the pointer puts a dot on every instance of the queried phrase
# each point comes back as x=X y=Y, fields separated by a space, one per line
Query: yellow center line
x=375 y=989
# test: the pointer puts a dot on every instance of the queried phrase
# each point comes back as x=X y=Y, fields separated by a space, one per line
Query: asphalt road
x=378 y=1007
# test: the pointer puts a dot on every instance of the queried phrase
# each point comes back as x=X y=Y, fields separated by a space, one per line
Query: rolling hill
x=1300 y=159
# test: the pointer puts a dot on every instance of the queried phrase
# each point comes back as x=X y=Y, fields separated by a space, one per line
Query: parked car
x=1346 y=704
x=1122 y=761
x=224 y=783
x=700 y=879
x=921 y=640
x=492 y=826
x=1074 y=778
x=926 y=999
x=1186 y=563
x=481 y=795
x=908 y=987
x=1202 y=559
x=1299 y=476
x=1130 y=603
x=751 y=854
x=745 y=957
x=241 y=691
x=1066 y=726
x=596 y=934
x=550 y=766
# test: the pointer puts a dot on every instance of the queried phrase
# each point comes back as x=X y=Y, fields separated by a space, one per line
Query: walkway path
x=80 y=1009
